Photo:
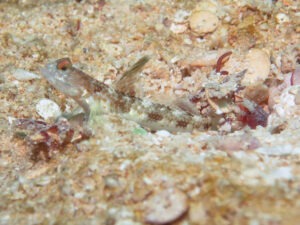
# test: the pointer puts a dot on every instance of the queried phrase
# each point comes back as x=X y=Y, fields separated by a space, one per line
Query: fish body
x=90 y=93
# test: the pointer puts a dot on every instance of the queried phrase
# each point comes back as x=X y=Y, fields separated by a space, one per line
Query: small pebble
x=163 y=133
x=282 y=18
x=203 y=22
x=181 y=16
x=111 y=181
x=47 y=108
x=178 y=28
x=165 y=207
x=88 y=184
x=21 y=74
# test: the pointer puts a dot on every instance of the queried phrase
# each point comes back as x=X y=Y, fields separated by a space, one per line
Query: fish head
x=62 y=76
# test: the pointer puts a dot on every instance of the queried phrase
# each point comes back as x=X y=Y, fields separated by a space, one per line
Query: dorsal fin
x=126 y=83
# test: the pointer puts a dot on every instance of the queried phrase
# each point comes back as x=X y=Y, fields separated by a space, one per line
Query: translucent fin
x=126 y=83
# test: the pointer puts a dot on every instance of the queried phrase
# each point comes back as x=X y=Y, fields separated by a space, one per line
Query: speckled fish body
x=90 y=93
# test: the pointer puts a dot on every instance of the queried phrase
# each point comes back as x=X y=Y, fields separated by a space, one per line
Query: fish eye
x=63 y=64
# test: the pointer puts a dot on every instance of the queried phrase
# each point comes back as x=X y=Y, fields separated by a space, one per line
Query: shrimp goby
x=92 y=95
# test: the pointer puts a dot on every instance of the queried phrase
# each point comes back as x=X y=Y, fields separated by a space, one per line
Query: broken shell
x=199 y=59
x=165 y=207
x=202 y=22
x=258 y=67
